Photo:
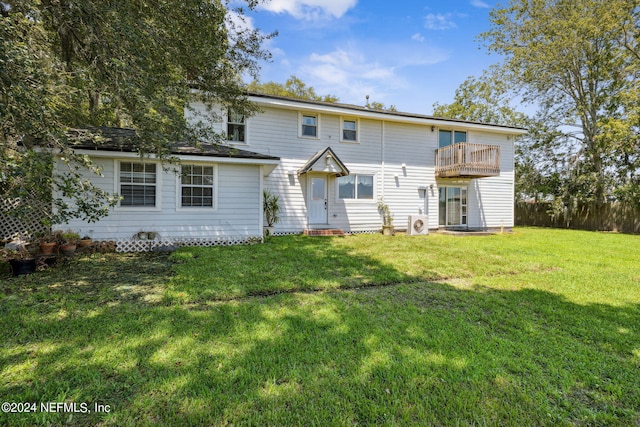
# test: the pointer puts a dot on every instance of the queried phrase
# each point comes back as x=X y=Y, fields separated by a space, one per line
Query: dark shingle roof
x=120 y=139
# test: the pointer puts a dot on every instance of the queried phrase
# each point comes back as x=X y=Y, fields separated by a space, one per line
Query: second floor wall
x=299 y=133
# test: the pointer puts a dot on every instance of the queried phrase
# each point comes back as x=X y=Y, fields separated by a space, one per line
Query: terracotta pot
x=83 y=243
x=67 y=249
x=47 y=247
x=387 y=230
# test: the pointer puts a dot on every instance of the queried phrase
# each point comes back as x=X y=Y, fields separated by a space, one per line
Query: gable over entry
x=325 y=161
x=321 y=165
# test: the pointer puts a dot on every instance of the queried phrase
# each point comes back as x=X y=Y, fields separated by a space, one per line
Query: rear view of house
x=337 y=161
x=330 y=164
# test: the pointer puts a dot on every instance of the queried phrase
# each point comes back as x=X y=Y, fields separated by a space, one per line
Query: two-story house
x=329 y=163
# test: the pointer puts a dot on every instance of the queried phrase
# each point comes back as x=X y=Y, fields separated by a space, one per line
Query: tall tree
x=70 y=64
x=484 y=99
x=566 y=57
x=487 y=99
x=294 y=87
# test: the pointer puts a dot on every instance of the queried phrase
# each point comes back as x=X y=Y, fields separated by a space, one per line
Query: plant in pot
x=387 y=218
x=20 y=260
x=48 y=242
x=85 y=241
x=69 y=242
x=271 y=208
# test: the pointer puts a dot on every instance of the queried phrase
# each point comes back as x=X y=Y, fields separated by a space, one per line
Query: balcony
x=465 y=160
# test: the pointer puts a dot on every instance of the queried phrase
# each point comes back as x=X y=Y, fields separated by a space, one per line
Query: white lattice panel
x=365 y=232
x=19 y=227
x=285 y=233
x=135 y=245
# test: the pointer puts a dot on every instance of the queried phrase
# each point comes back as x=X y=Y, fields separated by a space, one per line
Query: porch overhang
x=325 y=161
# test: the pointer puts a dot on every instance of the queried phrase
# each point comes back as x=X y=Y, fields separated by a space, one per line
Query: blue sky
x=406 y=53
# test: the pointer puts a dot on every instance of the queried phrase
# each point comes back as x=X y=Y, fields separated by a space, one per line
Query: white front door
x=318 y=200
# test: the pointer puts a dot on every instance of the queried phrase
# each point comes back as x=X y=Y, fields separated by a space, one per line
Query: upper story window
x=356 y=186
x=350 y=130
x=448 y=137
x=309 y=126
x=196 y=186
x=138 y=184
x=236 y=126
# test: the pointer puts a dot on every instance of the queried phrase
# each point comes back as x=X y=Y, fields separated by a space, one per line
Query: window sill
x=197 y=209
x=137 y=209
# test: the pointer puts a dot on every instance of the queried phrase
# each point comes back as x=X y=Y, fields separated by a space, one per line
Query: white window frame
x=356 y=199
x=179 y=206
x=244 y=123
x=116 y=185
x=357 y=130
x=301 y=116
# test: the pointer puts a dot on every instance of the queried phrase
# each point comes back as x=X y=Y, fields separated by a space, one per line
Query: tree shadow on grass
x=419 y=353
x=289 y=264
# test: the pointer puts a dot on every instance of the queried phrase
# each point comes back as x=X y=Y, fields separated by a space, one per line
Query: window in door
x=452 y=206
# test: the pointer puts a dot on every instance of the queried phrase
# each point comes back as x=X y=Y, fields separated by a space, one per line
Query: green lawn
x=538 y=327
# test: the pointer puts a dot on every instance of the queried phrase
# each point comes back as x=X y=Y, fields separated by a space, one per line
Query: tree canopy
x=293 y=87
x=577 y=61
x=72 y=64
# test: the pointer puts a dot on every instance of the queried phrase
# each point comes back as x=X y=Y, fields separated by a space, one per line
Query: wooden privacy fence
x=608 y=217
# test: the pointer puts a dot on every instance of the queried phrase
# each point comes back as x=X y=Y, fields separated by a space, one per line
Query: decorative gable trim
x=325 y=161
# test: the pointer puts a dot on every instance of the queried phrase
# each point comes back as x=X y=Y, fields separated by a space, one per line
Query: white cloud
x=311 y=10
x=480 y=3
x=357 y=70
x=439 y=21
x=417 y=37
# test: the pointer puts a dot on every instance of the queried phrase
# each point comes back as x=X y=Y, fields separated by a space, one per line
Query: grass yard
x=538 y=327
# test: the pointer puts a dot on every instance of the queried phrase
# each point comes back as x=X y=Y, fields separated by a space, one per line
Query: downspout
x=261 y=213
x=383 y=157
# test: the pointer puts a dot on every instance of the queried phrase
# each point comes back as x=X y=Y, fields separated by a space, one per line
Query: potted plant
x=85 y=241
x=387 y=218
x=20 y=260
x=48 y=242
x=271 y=207
x=69 y=242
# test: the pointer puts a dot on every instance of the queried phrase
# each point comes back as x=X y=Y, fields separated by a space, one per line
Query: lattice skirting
x=286 y=233
x=131 y=245
x=376 y=231
x=289 y=233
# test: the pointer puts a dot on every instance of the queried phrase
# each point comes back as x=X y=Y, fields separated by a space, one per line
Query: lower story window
x=355 y=187
x=137 y=184
x=197 y=185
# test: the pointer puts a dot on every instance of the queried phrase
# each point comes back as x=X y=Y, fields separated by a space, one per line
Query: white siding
x=238 y=210
x=491 y=200
x=413 y=146
x=383 y=147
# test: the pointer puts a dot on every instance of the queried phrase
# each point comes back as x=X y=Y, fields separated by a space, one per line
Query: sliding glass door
x=452 y=206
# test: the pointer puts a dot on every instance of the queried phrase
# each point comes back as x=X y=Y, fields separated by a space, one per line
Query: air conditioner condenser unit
x=418 y=225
